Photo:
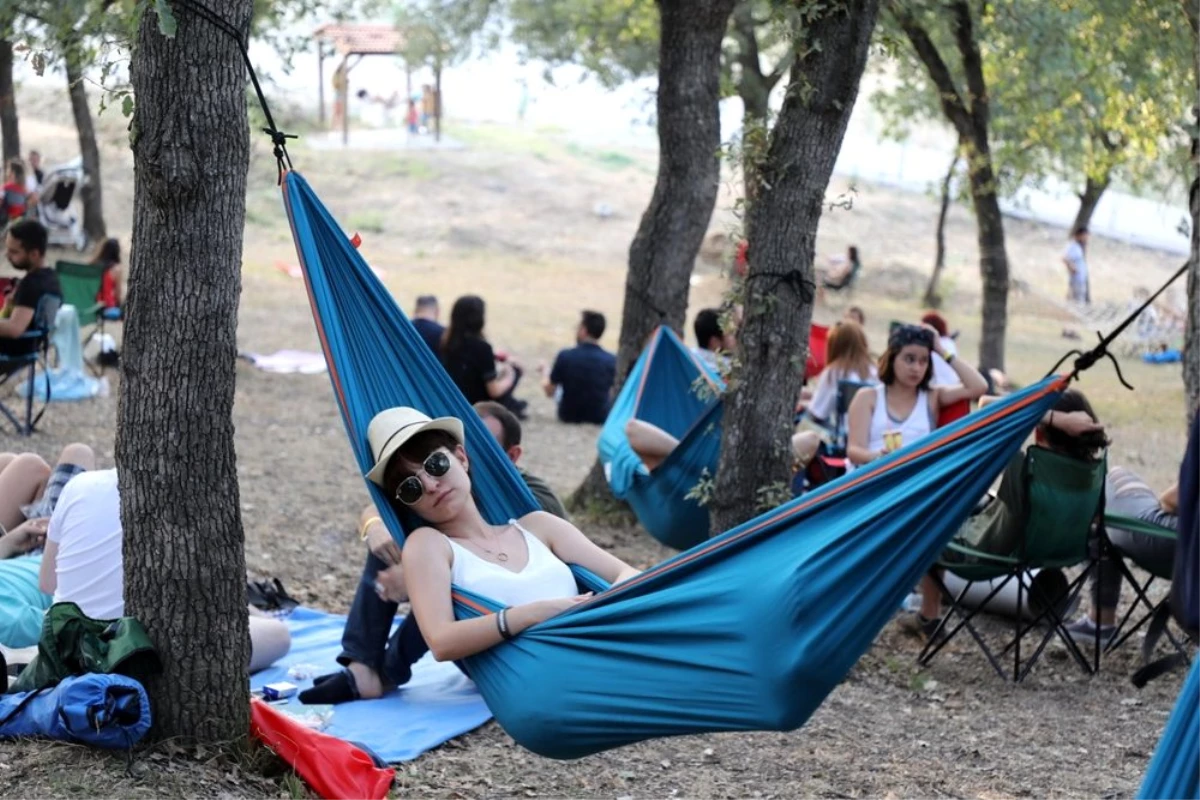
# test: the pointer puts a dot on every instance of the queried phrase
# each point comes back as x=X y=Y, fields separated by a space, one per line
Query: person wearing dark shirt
x=374 y=659
x=582 y=376
x=26 y=249
x=424 y=319
x=472 y=364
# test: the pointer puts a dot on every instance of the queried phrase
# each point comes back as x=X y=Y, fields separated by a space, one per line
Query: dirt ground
x=513 y=216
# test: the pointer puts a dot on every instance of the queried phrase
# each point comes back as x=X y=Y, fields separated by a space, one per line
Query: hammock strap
x=278 y=137
x=1087 y=360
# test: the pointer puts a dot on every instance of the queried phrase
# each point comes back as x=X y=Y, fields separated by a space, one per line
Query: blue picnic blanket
x=438 y=704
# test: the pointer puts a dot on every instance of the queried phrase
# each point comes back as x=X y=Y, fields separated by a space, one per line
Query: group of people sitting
x=61 y=542
x=580 y=380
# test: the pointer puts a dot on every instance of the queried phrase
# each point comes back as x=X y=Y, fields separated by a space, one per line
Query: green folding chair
x=1065 y=499
x=80 y=287
x=1140 y=589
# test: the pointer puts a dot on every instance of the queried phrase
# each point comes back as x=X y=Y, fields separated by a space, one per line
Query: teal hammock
x=668 y=387
x=750 y=630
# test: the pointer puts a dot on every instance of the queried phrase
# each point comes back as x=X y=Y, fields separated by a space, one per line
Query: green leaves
x=166 y=18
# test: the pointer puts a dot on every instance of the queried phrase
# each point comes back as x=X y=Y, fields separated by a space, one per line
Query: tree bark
x=932 y=299
x=9 y=132
x=970 y=116
x=185 y=576
x=91 y=193
x=993 y=257
x=782 y=228
x=663 y=252
x=1191 y=339
x=1093 y=190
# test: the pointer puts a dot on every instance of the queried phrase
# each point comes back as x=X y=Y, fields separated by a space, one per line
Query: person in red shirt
x=13 y=198
x=108 y=256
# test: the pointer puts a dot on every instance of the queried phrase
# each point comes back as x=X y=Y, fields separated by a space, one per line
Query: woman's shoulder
x=543 y=524
x=426 y=542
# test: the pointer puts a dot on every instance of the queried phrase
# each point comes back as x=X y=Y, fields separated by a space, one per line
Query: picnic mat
x=438 y=704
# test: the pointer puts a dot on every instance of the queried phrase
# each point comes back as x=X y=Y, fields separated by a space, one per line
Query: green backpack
x=75 y=644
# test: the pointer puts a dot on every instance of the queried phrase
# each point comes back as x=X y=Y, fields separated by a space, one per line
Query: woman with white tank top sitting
x=423 y=467
x=904 y=407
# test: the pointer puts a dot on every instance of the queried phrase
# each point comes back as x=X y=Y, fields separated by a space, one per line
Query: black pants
x=367 y=638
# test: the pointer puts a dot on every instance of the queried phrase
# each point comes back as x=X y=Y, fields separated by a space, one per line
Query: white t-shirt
x=1074 y=254
x=86 y=525
x=32 y=184
x=823 y=404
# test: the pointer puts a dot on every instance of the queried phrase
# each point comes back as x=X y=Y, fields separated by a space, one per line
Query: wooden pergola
x=357 y=41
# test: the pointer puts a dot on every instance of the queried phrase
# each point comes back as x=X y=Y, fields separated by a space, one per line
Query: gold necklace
x=501 y=556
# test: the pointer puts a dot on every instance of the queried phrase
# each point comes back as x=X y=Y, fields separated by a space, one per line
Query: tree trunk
x=185 y=575
x=91 y=193
x=1191 y=338
x=932 y=299
x=9 y=133
x=782 y=227
x=1093 y=190
x=663 y=252
x=993 y=258
x=969 y=113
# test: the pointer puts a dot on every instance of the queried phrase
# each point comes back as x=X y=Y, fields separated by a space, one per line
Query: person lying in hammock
x=422 y=464
x=1070 y=428
x=374 y=659
x=904 y=408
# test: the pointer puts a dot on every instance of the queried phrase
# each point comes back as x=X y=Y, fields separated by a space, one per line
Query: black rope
x=278 y=137
x=805 y=287
x=1088 y=360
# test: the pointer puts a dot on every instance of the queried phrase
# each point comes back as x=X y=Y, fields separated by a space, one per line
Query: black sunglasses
x=411 y=489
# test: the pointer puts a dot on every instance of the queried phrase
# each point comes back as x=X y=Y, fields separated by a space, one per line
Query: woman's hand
x=390 y=585
x=937 y=339
x=382 y=545
x=1074 y=423
x=541 y=610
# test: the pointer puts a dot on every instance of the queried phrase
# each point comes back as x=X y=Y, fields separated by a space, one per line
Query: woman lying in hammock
x=423 y=468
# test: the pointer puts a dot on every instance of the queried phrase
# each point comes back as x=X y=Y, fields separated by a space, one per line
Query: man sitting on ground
x=582 y=376
x=374 y=659
x=425 y=320
x=26 y=248
x=29 y=492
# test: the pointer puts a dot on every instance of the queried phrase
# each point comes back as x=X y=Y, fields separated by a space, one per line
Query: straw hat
x=391 y=428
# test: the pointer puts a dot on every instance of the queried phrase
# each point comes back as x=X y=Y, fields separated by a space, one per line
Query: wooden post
x=346 y=102
x=321 y=84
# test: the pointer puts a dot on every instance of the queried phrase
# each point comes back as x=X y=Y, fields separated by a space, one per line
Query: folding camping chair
x=80 y=286
x=830 y=461
x=37 y=339
x=1140 y=589
x=1065 y=500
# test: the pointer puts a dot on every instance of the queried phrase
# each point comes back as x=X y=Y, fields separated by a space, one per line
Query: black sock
x=338 y=687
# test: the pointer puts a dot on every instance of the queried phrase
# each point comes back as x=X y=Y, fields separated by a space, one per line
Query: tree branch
x=968 y=48
x=952 y=103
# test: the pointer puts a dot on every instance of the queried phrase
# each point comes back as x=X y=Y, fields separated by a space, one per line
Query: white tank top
x=544 y=577
x=918 y=424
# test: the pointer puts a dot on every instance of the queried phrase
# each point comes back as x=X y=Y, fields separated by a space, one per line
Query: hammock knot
x=279 y=141
x=803 y=286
